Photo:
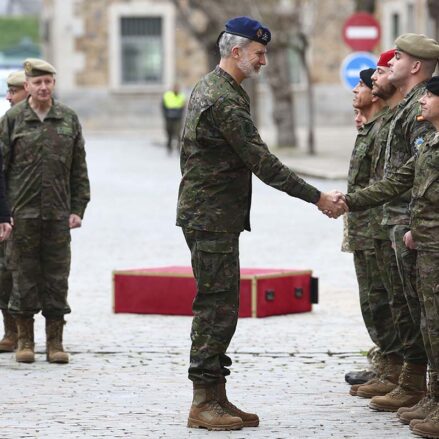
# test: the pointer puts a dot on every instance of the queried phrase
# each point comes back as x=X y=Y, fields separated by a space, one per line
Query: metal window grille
x=142 y=50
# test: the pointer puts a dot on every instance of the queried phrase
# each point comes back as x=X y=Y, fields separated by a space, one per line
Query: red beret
x=385 y=57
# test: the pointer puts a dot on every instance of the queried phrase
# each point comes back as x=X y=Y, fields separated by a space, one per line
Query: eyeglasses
x=12 y=91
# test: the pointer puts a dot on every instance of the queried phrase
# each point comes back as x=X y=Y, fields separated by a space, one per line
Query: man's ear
x=235 y=52
x=416 y=66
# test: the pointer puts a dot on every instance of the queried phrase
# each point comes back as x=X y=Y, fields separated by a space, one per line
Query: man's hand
x=332 y=204
x=75 y=221
x=5 y=231
x=408 y=241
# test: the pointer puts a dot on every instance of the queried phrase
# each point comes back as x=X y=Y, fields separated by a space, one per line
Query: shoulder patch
x=420 y=118
x=418 y=142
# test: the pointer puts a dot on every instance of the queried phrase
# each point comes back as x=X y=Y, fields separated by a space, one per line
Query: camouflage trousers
x=215 y=263
x=374 y=303
x=407 y=307
x=428 y=289
x=5 y=279
x=38 y=256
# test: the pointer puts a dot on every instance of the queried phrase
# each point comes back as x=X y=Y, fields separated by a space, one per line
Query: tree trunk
x=278 y=77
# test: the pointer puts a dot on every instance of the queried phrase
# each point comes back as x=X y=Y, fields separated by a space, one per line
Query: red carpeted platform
x=171 y=290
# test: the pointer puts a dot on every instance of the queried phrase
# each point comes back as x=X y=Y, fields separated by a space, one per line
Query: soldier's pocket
x=217 y=266
x=436 y=298
x=11 y=255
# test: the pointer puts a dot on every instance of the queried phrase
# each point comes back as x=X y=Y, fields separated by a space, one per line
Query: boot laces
x=215 y=406
x=232 y=408
x=433 y=415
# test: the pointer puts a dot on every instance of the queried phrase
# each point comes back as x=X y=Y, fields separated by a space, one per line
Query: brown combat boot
x=54 y=348
x=25 y=345
x=379 y=364
x=429 y=427
x=410 y=390
x=248 y=419
x=9 y=341
x=386 y=382
x=206 y=411
x=425 y=406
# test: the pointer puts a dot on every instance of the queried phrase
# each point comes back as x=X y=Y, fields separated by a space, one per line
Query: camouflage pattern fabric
x=5 y=279
x=374 y=303
x=38 y=256
x=46 y=175
x=215 y=263
x=398 y=329
x=358 y=178
x=44 y=163
x=409 y=316
x=376 y=229
x=406 y=135
x=220 y=151
x=421 y=174
x=428 y=288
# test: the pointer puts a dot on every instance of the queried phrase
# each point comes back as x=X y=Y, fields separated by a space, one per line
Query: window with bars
x=142 y=50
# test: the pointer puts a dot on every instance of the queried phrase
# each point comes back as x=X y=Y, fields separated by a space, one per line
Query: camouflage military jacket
x=421 y=173
x=406 y=135
x=358 y=178
x=376 y=229
x=221 y=148
x=45 y=168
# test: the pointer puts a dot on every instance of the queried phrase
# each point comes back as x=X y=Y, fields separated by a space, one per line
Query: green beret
x=38 y=67
x=418 y=46
x=16 y=79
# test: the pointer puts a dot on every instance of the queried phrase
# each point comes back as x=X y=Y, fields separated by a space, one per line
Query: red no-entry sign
x=361 y=31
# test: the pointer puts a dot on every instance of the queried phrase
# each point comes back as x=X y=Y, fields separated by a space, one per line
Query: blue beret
x=248 y=28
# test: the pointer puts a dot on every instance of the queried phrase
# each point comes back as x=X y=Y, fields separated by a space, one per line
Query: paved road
x=127 y=376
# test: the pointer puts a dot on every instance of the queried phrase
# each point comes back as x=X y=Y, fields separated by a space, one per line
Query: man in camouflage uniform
x=221 y=148
x=421 y=175
x=388 y=375
x=15 y=94
x=414 y=62
x=374 y=297
x=48 y=190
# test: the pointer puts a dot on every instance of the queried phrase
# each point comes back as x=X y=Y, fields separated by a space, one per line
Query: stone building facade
x=115 y=58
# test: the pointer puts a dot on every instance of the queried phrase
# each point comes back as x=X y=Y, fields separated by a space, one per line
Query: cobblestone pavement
x=127 y=376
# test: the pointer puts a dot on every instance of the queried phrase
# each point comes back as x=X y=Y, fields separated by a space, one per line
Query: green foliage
x=14 y=29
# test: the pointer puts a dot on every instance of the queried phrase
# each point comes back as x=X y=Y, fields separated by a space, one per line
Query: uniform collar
x=54 y=112
x=412 y=93
x=376 y=116
x=223 y=74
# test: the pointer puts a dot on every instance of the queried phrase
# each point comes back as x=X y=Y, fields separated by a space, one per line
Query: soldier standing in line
x=220 y=151
x=421 y=175
x=48 y=190
x=413 y=64
x=385 y=258
x=374 y=298
x=15 y=94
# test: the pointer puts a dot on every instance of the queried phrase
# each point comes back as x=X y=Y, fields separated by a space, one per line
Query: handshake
x=332 y=204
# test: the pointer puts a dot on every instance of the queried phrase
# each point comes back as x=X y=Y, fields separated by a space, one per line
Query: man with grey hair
x=221 y=148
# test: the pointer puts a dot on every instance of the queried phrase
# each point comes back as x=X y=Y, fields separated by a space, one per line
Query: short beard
x=247 y=68
x=385 y=92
